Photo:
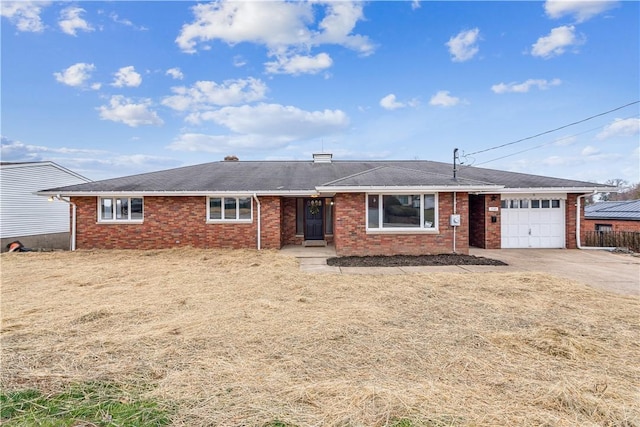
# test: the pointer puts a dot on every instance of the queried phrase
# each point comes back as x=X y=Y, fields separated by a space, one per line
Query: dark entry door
x=313 y=219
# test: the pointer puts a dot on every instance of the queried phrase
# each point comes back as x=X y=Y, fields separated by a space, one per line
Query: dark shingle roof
x=282 y=176
x=624 y=210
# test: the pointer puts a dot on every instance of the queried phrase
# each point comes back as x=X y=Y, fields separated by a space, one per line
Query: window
x=397 y=212
x=230 y=209
x=533 y=204
x=121 y=209
x=604 y=227
x=328 y=216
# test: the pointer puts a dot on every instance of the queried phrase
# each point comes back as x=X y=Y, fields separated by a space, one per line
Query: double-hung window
x=402 y=212
x=223 y=209
x=120 y=209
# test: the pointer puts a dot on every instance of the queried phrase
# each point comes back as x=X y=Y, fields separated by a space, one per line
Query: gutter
x=578 y=228
x=255 y=197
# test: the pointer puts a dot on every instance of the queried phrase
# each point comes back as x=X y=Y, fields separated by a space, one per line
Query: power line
x=554 y=130
x=539 y=146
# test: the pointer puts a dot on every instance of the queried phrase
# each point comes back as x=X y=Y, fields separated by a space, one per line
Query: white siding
x=22 y=213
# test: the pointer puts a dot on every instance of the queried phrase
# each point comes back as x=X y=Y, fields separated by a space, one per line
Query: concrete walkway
x=614 y=272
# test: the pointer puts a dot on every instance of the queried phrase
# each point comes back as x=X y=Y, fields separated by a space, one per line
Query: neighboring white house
x=31 y=219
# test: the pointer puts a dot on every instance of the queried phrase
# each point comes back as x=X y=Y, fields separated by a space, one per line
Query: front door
x=313 y=227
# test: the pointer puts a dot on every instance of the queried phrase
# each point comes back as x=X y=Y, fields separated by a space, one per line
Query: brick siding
x=616 y=224
x=351 y=238
x=483 y=233
x=171 y=222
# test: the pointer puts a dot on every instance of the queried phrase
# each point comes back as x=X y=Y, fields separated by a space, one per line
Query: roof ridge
x=355 y=174
x=445 y=175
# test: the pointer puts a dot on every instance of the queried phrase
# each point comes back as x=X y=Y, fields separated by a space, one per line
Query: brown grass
x=244 y=338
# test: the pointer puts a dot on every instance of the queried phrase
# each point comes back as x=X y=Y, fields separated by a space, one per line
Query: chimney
x=322 y=157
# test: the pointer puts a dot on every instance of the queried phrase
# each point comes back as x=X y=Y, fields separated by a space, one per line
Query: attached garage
x=533 y=221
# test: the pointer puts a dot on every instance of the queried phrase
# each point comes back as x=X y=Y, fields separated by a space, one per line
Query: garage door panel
x=533 y=227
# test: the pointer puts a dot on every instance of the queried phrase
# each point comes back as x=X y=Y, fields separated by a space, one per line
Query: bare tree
x=626 y=191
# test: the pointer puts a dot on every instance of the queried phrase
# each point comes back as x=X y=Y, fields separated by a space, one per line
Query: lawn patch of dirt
x=244 y=338
x=411 y=260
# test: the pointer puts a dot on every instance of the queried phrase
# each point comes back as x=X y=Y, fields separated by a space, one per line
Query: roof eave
x=558 y=190
x=176 y=193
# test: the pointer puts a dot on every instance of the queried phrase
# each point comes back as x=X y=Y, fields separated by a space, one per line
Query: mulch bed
x=411 y=260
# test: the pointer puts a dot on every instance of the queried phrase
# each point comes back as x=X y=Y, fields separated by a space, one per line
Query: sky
x=115 y=88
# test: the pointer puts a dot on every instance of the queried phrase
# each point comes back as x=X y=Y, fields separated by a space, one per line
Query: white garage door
x=533 y=223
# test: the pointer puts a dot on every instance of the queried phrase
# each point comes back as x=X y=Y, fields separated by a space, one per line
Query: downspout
x=72 y=245
x=578 y=227
x=73 y=225
x=255 y=197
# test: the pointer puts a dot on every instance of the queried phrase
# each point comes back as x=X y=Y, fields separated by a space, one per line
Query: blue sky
x=115 y=88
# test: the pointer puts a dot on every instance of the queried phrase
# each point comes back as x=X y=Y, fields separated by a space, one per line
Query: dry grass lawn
x=243 y=338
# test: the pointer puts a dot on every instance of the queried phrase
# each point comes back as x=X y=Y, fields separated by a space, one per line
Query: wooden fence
x=613 y=239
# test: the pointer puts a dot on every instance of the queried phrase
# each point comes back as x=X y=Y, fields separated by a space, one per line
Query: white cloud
x=566 y=140
x=339 y=21
x=285 y=28
x=589 y=150
x=275 y=120
x=620 y=127
x=127 y=76
x=71 y=21
x=208 y=94
x=239 y=61
x=124 y=110
x=463 y=46
x=581 y=10
x=299 y=64
x=556 y=43
x=25 y=15
x=444 y=99
x=525 y=86
x=390 y=102
x=76 y=75
x=415 y=4
x=175 y=73
x=15 y=151
x=126 y=22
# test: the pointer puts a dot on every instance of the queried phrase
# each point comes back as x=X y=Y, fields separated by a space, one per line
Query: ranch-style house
x=361 y=207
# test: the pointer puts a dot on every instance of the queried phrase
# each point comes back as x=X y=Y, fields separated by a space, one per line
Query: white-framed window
x=530 y=203
x=402 y=212
x=229 y=209
x=120 y=209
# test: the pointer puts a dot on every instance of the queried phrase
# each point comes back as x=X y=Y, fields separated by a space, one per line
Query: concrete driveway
x=616 y=272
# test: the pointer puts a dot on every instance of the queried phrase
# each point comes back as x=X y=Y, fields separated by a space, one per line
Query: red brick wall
x=351 y=238
x=570 y=219
x=289 y=222
x=175 y=222
x=616 y=224
x=271 y=213
x=484 y=233
x=493 y=230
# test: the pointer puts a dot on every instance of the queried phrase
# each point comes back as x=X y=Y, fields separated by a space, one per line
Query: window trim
x=119 y=221
x=403 y=230
x=222 y=219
